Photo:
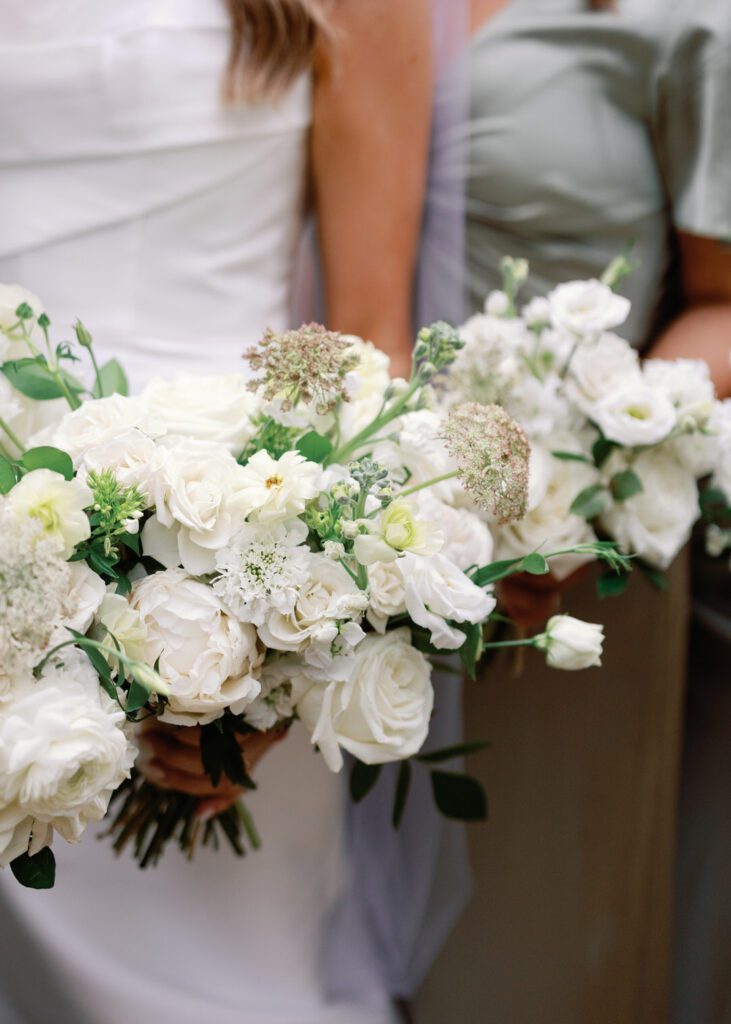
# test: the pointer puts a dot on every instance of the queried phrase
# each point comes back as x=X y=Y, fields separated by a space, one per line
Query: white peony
x=687 y=385
x=219 y=408
x=56 y=504
x=604 y=366
x=100 y=421
x=571 y=644
x=64 y=749
x=380 y=713
x=635 y=415
x=587 y=307
x=656 y=522
x=436 y=593
x=208 y=659
x=277 y=489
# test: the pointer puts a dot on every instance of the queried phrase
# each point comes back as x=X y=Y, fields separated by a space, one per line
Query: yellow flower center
x=273 y=481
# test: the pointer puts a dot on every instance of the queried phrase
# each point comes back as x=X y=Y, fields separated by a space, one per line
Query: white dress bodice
x=131 y=196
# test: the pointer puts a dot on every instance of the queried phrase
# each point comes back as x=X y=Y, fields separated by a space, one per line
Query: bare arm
x=703 y=329
x=372 y=114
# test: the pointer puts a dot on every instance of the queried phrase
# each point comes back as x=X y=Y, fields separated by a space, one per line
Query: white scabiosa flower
x=276 y=489
x=571 y=644
x=57 y=506
x=587 y=308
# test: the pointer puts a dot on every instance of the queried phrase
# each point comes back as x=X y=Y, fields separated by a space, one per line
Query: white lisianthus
x=601 y=367
x=380 y=713
x=277 y=489
x=687 y=385
x=64 y=748
x=587 y=308
x=571 y=644
x=656 y=522
x=120 y=621
x=56 y=504
x=398 y=529
x=324 y=619
x=634 y=416
x=436 y=593
x=549 y=524
x=132 y=455
x=101 y=421
x=208 y=660
x=262 y=569
x=467 y=538
x=223 y=410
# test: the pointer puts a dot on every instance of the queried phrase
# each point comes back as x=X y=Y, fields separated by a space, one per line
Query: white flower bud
x=570 y=643
x=497 y=304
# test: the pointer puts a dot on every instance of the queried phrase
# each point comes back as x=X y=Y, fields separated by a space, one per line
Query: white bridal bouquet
x=302 y=542
x=619 y=447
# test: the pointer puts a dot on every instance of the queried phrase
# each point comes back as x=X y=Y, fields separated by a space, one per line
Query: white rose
x=381 y=713
x=100 y=421
x=387 y=592
x=132 y=455
x=600 y=367
x=277 y=489
x=656 y=522
x=571 y=644
x=437 y=591
x=64 y=748
x=549 y=525
x=324 y=602
x=220 y=408
x=587 y=307
x=56 y=504
x=687 y=384
x=635 y=416
x=209 y=660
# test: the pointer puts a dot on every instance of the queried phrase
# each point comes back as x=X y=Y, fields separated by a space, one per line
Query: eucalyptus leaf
x=46 y=457
x=314 y=446
x=363 y=778
x=36 y=872
x=403 y=784
x=459 y=796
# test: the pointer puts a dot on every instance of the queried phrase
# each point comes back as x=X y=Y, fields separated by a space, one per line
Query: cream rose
x=387 y=594
x=380 y=713
x=56 y=504
x=571 y=644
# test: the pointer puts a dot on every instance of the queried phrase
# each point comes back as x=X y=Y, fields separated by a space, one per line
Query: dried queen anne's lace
x=305 y=366
x=492 y=454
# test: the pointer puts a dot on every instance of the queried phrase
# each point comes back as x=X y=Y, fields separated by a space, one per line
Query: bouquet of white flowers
x=237 y=552
x=618 y=446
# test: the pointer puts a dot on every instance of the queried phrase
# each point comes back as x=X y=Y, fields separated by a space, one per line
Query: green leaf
x=33 y=379
x=449 y=753
x=459 y=796
x=7 y=475
x=46 y=457
x=36 y=872
x=601 y=450
x=113 y=380
x=612 y=584
x=495 y=571
x=314 y=446
x=131 y=541
x=124 y=585
x=421 y=640
x=572 y=457
x=535 y=564
x=590 y=502
x=654 y=576
x=625 y=484
x=363 y=778
x=471 y=650
x=137 y=697
x=403 y=784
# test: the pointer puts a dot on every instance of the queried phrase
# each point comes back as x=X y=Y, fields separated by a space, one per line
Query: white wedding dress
x=130 y=196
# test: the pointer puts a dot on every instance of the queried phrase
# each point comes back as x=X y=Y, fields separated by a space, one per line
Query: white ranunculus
x=687 y=384
x=100 y=421
x=380 y=713
x=387 y=592
x=26 y=835
x=549 y=525
x=56 y=504
x=656 y=523
x=220 y=408
x=64 y=748
x=467 y=538
x=420 y=450
x=601 y=367
x=587 y=308
x=635 y=415
x=399 y=528
x=277 y=489
x=209 y=660
x=132 y=455
x=437 y=591
x=325 y=615
x=572 y=644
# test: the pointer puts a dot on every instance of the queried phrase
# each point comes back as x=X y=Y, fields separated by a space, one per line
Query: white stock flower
x=635 y=415
x=656 y=522
x=56 y=504
x=587 y=307
x=601 y=367
x=436 y=591
x=549 y=524
x=64 y=748
x=101 y=421
x=262 y=569
x=380 y=713
x=277 y=489
x=209 y=660
x=571 y=644
x=687 y=385
x=398 y=529
x=215 y=408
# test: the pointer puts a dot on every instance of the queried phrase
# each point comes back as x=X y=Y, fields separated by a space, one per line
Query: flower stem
x=344 y=453
x=12 y=436
x=428 y=483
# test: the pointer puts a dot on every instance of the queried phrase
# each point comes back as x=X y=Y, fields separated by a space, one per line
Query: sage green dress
x=588 y=130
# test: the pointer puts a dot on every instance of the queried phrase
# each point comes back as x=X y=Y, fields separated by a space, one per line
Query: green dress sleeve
x=692 y=115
